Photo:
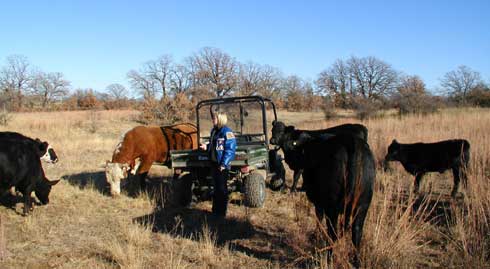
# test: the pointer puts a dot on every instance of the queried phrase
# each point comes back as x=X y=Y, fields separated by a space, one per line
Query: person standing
x=221 y=150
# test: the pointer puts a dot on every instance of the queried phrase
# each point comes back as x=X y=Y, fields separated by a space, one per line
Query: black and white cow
x=20 y=167
x=282 y=134
x=48 y=154
x=338 y=177
x=421 y=158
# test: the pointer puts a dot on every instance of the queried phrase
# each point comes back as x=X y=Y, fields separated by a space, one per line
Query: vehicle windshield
x=244 y=118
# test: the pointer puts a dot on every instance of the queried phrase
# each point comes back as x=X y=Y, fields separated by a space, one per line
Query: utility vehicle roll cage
x=240 y=100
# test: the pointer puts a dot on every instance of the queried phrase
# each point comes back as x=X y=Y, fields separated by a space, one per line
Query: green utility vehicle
x=254 y=162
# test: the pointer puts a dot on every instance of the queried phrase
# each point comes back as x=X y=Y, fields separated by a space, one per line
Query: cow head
x=43 y=188
x=115 y=172
x=46 y=152
x=393 y=153
x=280 y=133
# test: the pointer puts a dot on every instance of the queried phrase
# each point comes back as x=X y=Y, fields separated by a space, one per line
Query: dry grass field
x=83 y=227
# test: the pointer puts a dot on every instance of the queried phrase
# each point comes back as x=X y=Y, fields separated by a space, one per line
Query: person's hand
x=221 y=168
x=203 y=146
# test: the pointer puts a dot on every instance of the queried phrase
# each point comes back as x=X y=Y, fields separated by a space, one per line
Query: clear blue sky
x=95 y=43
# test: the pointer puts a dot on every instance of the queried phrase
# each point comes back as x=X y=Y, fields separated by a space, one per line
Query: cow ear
x=43 y=146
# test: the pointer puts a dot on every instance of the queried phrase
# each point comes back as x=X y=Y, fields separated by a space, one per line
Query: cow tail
x=467 y=154
x=357 y=188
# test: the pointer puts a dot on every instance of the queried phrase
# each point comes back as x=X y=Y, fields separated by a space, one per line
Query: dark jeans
x=220 y=198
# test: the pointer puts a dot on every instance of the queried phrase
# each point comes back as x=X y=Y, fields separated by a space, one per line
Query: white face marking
x=115 y=172
x=118 y=148
x=46 y=157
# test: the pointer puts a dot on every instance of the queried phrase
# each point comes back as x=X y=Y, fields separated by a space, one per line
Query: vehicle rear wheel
x=182 y=190
x=254 y=189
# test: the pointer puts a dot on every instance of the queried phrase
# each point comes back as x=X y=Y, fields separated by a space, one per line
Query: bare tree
x=49 y=87
x=298 y=93
x=347 y=82
x=371 y=78
x=250 y=78
x=215 y=70
x=271 y=82
x=336 y=82
x=142 y=84
x=180 y=79
x=461 y=81
x=15 y=78
x=159 y=71
x=117 y=91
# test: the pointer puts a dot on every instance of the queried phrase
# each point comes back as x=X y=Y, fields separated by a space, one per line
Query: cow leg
x=142 y=172
x=416 y=184
x=142 y=180
x=27 y=200
x=332 y=217
x=357 y=226
x=456 y=173
x=296 y=175
x=319 y=213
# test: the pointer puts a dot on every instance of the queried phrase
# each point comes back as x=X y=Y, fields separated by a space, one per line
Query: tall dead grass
x=84 y=228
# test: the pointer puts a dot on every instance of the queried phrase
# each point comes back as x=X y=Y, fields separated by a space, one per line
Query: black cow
x=282 y=134
x=338 y=176
x=49 y=155
x=420 y=158
x=20 y=166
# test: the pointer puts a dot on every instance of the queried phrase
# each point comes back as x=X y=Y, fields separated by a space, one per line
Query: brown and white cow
x=149 y=144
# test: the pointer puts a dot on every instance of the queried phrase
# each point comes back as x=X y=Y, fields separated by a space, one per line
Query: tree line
x=361 y=83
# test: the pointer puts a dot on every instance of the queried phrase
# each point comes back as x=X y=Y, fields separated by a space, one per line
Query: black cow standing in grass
x=48 y=153
x=420 y=158
x=282 y=133
x=338 y=176
x=20 y=167
x=42 y=148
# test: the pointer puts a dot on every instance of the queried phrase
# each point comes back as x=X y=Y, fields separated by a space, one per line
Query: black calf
x=420 y=158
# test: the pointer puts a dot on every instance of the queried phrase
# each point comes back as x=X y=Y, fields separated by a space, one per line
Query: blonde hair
x=221 y=119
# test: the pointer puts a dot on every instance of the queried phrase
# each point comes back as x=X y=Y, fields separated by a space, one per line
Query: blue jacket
x=223 y=142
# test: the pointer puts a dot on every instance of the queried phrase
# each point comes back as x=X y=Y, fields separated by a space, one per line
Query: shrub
x=5 y=117
x=167 y=111
x=417 y=104
x=364 y=108
x=479 y=97
x=328 y=108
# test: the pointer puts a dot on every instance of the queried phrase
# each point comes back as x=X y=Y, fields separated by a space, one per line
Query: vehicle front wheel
x=254 y=189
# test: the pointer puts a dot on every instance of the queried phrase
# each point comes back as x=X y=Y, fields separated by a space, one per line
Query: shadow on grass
x=130 y=186
x=84 y=180
x=438 y=207
x=190 y=223
x=9 y=201
x=238 y=233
